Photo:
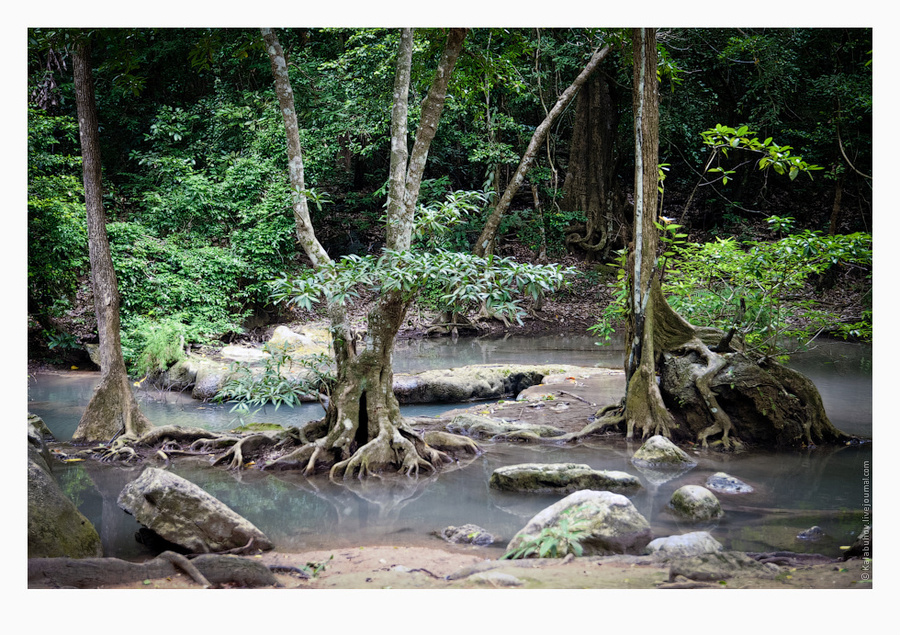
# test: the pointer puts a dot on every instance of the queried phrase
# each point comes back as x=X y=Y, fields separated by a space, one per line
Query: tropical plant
x=271 y=384
x=555 y=541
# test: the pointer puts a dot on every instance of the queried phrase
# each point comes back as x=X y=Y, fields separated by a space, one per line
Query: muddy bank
x=379 y=567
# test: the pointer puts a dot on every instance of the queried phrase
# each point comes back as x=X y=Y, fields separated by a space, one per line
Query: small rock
x=713 y=567
x=467 y=534
x=695 y=503
x=812 y=534
x=694 y=543
x=496 y=578
x=727 y=484
x=658 y=452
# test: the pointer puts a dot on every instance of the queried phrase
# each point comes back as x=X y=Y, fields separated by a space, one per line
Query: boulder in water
x=182 y=513
x=660 y=453
x=695 y=503
x=563 y=478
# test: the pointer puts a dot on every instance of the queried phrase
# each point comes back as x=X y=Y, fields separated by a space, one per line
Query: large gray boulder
x=612 y=523
x=56 y=528
x=695 y=503
x=563 y=478
x=687 y=545
x=659 y=453
x=182 y=513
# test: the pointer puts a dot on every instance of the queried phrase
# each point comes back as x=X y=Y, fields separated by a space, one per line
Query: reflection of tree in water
x=115 y=526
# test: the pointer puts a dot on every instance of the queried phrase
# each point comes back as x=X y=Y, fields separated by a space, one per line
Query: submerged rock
x=812 y=534
x=727 y=484
x=695 y=503
x=182 y=513
x=487 y=427
x=687 y=545
x=561 y=477
x=610 y=522
x=659 y=453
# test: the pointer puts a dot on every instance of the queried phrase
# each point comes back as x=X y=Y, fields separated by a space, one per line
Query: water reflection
x=793 y=490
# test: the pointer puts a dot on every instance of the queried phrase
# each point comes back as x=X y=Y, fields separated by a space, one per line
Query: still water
x=793 y=490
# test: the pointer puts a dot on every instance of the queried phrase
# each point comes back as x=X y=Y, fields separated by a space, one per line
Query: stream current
x=794 y=490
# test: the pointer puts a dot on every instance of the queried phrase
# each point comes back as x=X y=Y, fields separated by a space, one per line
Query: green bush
x=153 y=346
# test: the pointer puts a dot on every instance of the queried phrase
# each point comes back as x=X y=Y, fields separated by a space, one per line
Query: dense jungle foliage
x=199 y=206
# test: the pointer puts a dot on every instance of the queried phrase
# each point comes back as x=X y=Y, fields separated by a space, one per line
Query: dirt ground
x=378 y=567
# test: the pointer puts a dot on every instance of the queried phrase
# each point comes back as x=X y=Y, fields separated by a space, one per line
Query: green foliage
x=171 y=289
x=247 y=388
x=709 y=282
x=154 y=346
x=455 y=280
x=722 y=139
x=57 y=233
x=554 y=541
x=616 y=310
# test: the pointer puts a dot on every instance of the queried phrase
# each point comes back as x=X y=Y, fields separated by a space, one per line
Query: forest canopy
x=199 y=207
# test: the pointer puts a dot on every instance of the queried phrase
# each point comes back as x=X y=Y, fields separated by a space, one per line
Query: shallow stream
x=794 y=490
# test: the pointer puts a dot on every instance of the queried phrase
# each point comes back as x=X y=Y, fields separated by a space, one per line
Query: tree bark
x=112 y=410
x=591 y=186
x=484 y=246
x=363 y=432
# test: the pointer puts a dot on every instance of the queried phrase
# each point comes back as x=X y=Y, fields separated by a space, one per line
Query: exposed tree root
x=254 y=444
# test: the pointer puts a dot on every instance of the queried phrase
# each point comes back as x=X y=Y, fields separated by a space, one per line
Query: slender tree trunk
x=484 y=246
x=644 y=408
x=112 y=411
x=362 y=432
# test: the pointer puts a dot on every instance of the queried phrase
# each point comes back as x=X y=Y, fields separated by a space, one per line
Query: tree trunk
x=112 y=411
x=484 y=246
x=362 y=432
x=685 y=382
x=591 y=186
x=644 y=408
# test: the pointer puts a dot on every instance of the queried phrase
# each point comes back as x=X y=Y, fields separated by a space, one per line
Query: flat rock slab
x=563 y=478
x=470 y=383
x=564 y=401
x=184 y=514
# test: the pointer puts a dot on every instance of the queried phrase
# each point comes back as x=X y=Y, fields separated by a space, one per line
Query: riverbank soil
x=379 y=567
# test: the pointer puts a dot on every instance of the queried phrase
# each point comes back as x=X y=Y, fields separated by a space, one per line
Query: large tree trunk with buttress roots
x=363 y=433
x=685 y=382
x=700 y=389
